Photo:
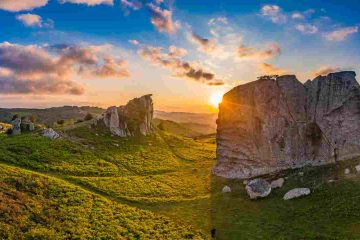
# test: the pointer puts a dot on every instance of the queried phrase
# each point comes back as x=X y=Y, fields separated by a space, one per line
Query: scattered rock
x=26 y=125
x=258 y=188
x=226 y=189
x=50 y=133
x=16 y=126
x=331 y=180
x=245 y=182
x=291 y=124
x=296 y=192
x=277 y=183
x=357 y=168
x=347 y=171
x=301 y=174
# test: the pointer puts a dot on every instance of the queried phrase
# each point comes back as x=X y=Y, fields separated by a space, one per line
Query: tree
x=33 y=118
x=88 y=117
x=268 y=77
x=14 y=117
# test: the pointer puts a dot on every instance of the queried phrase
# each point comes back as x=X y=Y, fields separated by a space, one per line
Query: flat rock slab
x=258 y=188
x=296 y=192
x=277 y=183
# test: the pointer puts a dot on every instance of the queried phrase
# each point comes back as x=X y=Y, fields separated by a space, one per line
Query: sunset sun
x=216 y=98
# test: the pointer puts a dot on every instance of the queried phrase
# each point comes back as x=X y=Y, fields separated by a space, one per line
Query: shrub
x=9 y=131
x=61 y=122
x=88 y=117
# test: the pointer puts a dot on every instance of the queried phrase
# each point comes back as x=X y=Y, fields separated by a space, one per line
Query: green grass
x=332 y=211
x=163 y=176
x=34 y=206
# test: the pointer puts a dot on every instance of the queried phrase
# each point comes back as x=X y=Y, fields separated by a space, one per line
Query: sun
x=216 y=98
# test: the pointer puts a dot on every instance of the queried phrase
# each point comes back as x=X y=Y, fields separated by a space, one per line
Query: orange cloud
x=269 y=69
x=162 y=19
x=39 y=70
x=341 y=34
x=325 y=70
x=204 y=44
x=21 y=5
x=89 y=2
x=179 y=67
x=250 y=53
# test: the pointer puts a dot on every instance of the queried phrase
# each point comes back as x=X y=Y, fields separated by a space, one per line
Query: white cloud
x=162 y=19
x=30 y=19
x=21 y=5
x=274 y=13
x=297 y=16
x=341 y=34
x=307 y=28
x=89 y=2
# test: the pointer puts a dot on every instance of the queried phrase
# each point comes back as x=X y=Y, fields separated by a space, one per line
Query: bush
x=61 y=122
x=88 y=117
x=9 y=131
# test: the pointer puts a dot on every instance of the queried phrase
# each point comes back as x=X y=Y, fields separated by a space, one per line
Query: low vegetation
x=90 y=184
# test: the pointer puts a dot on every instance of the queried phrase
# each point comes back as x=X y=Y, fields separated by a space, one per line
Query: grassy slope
x=170 y=175
x=34 y=206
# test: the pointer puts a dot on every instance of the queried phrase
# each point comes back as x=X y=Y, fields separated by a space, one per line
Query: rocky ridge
x=274 y=124
x=135 y=118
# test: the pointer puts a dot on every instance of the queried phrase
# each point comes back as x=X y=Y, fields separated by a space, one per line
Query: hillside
x=157 y=187
x=50 y=115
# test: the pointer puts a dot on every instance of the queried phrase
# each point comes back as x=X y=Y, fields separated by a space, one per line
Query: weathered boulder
x=258 y=188
x=135 y=118
x=296 y=192
x=50 y=133
x=226 y=189
x=347 y=171
x=277 y=183
x=274 y=124
x=16 y=126
x=357 y=168
x=27 y=125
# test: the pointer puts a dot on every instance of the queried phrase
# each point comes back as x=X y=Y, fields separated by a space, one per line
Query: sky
x=186 y=53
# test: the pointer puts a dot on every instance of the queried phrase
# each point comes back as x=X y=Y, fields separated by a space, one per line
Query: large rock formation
x=135 y=118
x=274 y=124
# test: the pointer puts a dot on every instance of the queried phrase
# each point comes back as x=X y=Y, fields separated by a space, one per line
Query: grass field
x=157 y=187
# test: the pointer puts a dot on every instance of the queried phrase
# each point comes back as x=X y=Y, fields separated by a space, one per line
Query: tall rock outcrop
x=135 y=118
x=273 y=124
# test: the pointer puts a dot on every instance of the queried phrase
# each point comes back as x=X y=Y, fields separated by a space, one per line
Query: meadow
x=91 y=185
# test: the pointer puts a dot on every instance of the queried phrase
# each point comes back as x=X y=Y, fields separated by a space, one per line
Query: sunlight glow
x=216 y=98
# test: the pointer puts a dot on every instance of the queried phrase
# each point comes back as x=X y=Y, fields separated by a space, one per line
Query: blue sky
x=183 y=52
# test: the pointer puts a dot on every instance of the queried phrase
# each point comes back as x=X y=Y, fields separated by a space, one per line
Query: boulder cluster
x=277 y=123
x=21 y=125
x=135 y=118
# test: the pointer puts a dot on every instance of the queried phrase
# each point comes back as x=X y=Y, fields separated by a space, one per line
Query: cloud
x=112 y=68
x=177 y=52
x=205 y=45
x=269 y=69
x=178 y=67
x=132 y=4
x=30 y=19
x=250 y=53
x=134 y=42
x=325 y=70
x=89 y=2
x=221 y=20
x=274 y=13
x=51 y=69
x=341 y=34
x=162 y=19
x=297 y=16
x=307 y=28
x=21 y=5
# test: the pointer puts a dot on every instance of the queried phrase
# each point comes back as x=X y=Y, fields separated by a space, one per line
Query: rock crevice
x=273 y=124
